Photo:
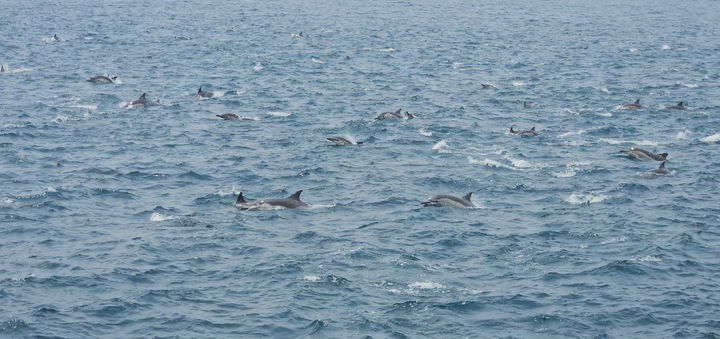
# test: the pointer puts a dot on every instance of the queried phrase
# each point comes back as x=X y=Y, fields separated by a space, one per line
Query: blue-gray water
x=119 y=222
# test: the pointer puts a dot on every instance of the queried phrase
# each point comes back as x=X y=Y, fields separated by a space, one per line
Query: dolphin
x=528 y=132
x=658 y=171
x=227 y=116
x=342 y=141
x=143 y=101
x=292 y=201
x=634 y=105
x=103 y=78
x=680 y=106
x=2 y=68
x=449 y=201
x=527 y=104
x=204 y=94
x=55 y=38
x=488 y=86
x=396 y=114
x=641 y=154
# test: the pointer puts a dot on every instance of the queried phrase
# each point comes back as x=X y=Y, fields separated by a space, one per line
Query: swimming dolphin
x=396 y=114
x=103 y=78
x=488 y=86
x=292 y=201
x=182 y=38
x=204 y=94
x=641 y=154
x=528 y=132
x=449 y=201
x=658 y=171
x=680 y=106
x=634 y=105
x=2 y=68
x=143 y=102
x=227 y=116
x=55 y=38
x=527 y=104
x=342 y=141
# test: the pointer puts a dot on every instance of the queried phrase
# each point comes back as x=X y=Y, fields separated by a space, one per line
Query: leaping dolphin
x=634 y=105
x=143 y=102
x=292 y=201
x=397 y=114
x=641 y=154
x=680 y=106
x=204 y=94
x=528 y=132
x=449 y=201
x=103 y=78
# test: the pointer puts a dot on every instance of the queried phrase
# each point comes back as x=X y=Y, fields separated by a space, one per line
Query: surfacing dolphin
x=103 y=79
x=292 y=201
x=450 y=201
x=228 y=116
x=143 y=102
x=634 y=105
x=397 y=114
x=680 y=106
x=641 y=154
x=342 y=141
x=2 y=68
x=528 y=132
x=204 y=94
x=658 y=171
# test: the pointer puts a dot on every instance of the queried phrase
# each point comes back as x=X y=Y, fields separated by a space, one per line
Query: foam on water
x=711 y=138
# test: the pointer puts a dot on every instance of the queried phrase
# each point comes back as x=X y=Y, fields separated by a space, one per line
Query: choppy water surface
x=119 y=222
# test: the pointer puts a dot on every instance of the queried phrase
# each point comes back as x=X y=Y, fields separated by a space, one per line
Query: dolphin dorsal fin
x=199 y=89
x=680 y=103
x=468 y=196
x=662 y=165
x=398 y=111
x=295 y=196
x=533 y=128
x=511 y=130
x=240 y=199
x=637 y=102
x=142 y=96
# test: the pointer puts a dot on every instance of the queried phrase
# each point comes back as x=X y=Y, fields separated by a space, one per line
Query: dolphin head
x=409 y=115
x=663 y=155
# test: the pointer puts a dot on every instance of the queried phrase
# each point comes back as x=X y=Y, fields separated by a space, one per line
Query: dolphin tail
x=295 y=196
x=662 y=165
x=468 y=196
x=240 y=199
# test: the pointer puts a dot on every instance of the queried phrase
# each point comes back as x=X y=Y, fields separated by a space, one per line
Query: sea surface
x=120 y=222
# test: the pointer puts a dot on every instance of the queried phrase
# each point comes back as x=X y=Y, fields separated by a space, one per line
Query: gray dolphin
x=488 y=86
x=55 y=38
x=103 y=78
x=143 y=101
x=227 y=116
x=204 y=94
x=528 y=132
x=292 y=201
x=658 y=171
x=641 y=154
x=397 y=114
x=342 y=141
x=449 y=201
x=680 y=106
x=634 y=105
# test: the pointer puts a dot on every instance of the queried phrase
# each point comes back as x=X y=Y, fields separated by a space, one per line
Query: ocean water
x=119 y=222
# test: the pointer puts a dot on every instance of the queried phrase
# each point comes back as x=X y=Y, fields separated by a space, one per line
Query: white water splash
x=489 y=163
x=579 y=198
x=258 y=67
x=312 y=278
x=682 y=135
x=279 y=114
x=456 y=65
x=688 y=85
x=426 y=285
x=711 y=138
x=519 y=83
x=317 y=61
x=156 y=216
x=425 y=133
x=665 y=47
x=6 y=201
x=619 y=142
x=441 y=146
